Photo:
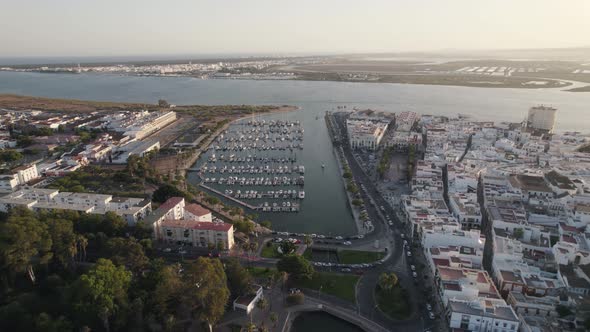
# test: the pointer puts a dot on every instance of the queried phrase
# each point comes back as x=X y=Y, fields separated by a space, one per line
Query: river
x=324 y=209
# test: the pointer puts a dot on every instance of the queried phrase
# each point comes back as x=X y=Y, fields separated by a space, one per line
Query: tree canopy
x=296 y=266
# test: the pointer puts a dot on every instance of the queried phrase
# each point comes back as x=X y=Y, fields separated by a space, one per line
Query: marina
x=252 y=155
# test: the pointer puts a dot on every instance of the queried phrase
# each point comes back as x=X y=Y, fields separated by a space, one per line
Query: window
x=186 y=233
x=169 y=232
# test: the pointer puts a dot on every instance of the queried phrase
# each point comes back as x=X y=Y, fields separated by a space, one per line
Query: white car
x=167 y=250
x=182 y=252
x=346 y=243
x=428 y=306
x=413 y=267
x=338 y=238
x=414 y=274
x=431 y=315
x=409 y=253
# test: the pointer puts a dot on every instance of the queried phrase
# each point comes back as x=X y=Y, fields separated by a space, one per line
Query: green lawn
x=393 y=303
x=339 y=285
x=270 y=252
x=261 y=272
x=358 y=257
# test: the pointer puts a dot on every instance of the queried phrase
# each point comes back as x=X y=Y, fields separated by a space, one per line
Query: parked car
x=428 y=306
x=346 y=270
x=167 y=250
x=409 y=254
x=414 y=274
x=413 y=267
x=431 y=315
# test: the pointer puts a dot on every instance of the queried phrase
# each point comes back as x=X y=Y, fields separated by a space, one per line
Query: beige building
x=198 y=234
x=542 y=117
x=176 y=222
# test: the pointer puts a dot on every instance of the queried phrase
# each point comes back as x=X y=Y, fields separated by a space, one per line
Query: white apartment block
x=484 y=315
x=131 y=209
x=365 y=134
x=466 y=209
x=17 y=177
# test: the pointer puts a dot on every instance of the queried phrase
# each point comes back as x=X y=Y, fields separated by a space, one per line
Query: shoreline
x=403 y=79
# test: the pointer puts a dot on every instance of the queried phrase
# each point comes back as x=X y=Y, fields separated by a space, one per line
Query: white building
x=131 y=209
x=17 y=177
x=542 y=117
x=484 y=315
x=365 y=134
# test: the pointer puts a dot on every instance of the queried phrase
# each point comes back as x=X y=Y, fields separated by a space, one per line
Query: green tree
x=274 y=318
x=387 y=281
x=307 y=240
x=206 y=292
x=44 y=322
x=167 y=285
x=113 y=224
x=238 y=278
x=64 y=241
x=518 y=233
x=266 y=223
x=296 y=266
x=166 y=191
x=127 y=252
x=24 y=243
x=287 y=247
x=262 y=304
x=102 y=292
x=244 y=226
x=9 y=156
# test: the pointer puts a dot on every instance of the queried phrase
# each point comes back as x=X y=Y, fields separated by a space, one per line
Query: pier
x=265 y=207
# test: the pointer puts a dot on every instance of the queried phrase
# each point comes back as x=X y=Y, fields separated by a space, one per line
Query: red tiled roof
x=440 y=261
x=197 y=210
x=569 y=239
x=170 y=203
x=450 y=274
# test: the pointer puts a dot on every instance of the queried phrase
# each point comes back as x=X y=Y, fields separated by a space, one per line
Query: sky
x=35 y=28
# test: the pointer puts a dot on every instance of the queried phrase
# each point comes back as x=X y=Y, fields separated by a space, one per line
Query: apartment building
x=131 y=209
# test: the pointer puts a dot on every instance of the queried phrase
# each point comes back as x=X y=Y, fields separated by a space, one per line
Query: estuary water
x=324 y=209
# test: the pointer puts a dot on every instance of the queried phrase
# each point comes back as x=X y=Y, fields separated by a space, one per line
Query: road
x=397 y=261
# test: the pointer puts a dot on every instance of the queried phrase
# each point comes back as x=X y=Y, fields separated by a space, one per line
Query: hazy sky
x=144 y=27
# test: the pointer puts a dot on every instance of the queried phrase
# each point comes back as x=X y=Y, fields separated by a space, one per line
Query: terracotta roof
x=440 y=261
x=197 y=210
x=569 y=239
x=170 y=203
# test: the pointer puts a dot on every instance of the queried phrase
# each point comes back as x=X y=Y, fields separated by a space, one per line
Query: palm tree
x=274 y=318
x=307 y=240
x=253 y=246
x=82 y=242
x=387 y=281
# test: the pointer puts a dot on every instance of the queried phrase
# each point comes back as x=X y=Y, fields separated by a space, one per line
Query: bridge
x=339 y=312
